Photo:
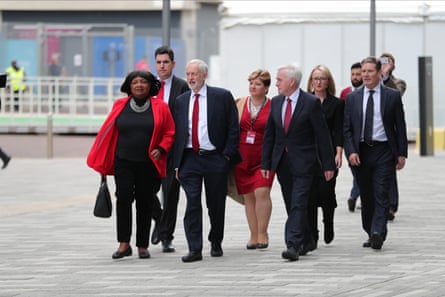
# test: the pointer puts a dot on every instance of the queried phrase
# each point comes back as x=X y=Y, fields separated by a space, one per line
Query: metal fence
x=75 y=104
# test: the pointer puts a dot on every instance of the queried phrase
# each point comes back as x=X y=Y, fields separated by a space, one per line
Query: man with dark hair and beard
x=356 y=82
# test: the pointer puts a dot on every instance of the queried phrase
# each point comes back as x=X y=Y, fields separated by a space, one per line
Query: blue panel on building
x=24 y=51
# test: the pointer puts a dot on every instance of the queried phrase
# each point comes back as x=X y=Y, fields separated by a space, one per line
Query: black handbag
x=103 y=207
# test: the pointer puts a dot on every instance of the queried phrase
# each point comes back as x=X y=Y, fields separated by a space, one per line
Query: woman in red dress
x=253 y=112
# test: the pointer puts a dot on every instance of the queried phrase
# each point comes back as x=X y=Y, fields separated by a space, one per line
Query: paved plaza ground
x=52 y=245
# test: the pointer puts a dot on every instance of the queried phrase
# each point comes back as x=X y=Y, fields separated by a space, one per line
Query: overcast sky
x=246 y=7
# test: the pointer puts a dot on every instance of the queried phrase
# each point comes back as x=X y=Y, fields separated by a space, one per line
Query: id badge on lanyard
x=250 y=137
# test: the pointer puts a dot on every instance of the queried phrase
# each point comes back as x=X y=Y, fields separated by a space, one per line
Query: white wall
x=246 y=47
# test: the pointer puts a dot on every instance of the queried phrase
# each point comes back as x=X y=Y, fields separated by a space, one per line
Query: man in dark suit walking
x=296 y=143
x=206 y=144
x=375 y=142
x=165 y=218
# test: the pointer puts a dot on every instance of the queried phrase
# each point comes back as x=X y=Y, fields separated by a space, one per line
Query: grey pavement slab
x=51 y=245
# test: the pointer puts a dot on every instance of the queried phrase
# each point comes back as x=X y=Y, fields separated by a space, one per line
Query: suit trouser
x=135 y=181
x=375 y=175
x=170 y=193
x=166 y=215
x=355 y=190
x=394 y=193
x=156 y=211
x=213 y=170
x=296 y=192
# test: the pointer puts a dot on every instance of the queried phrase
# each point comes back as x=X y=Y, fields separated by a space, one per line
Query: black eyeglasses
x=320 y=78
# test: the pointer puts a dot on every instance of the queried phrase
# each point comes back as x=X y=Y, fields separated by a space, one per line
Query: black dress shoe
x=309 y=247
x=117 y=254
x=216 y=250
x=367 y=244
x=262 y=246
x=192 y=257
x=351 y=204
x=144 y=255
x=290 y=254
x=376 y=241
x=155 y=235
x=167 y=246
x=251 y=246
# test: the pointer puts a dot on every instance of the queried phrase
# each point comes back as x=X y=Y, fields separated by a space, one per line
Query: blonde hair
x=331 y=83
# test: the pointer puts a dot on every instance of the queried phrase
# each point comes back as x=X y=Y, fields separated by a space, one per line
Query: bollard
x=426 y=109
x=49 y=138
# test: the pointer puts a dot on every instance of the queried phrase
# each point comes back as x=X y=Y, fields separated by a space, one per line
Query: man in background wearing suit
x=296 y=143
x=206 y=144
x=375 y=143
x=356 y=82
x=171 y=87
x=390 y=81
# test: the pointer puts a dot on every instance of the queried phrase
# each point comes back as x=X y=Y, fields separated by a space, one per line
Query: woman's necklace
x=137 y=108
x=255 y=109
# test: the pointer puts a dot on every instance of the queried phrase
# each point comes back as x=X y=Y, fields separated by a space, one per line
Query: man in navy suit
x=296 y=143
x=206 y=144
x=374 y=154
x=172 y=87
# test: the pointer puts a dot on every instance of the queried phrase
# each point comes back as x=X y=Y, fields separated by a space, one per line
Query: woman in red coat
x=132 y=145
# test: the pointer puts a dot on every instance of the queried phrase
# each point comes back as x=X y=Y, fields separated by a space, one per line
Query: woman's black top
x=135 y=131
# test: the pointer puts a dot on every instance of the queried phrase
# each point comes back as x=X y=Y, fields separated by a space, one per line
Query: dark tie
x=195 y=120
x=367 y=132
x=161 y=91
x=287 y=115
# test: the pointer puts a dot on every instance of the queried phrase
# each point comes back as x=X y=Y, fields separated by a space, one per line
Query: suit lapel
x=172 y=91
x=383 y=101
x=279 y=109
x=210 y=105
x=186 y=111
x=360 y=106
x=173 y=95
x=298 y=108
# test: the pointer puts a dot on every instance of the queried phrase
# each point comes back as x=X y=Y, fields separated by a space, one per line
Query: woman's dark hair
x=155 y=84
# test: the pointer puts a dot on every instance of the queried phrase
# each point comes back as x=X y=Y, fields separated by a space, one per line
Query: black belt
x=374 y=143
x=202 y=152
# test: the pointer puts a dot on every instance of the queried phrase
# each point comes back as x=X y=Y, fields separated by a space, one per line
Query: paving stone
x=52 y=245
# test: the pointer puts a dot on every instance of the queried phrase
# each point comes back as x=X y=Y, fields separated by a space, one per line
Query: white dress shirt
x=167 y=88
x=378 y=131
x=294 y=98
x=203 y=134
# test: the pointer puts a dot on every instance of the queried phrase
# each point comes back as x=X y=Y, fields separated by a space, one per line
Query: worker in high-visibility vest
x=16 y=77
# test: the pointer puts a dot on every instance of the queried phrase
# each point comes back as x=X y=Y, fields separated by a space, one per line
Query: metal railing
x=76 y=104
